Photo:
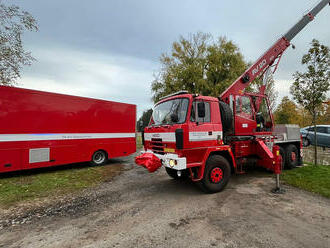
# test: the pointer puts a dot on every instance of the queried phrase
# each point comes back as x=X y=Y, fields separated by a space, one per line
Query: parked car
x=322 y=135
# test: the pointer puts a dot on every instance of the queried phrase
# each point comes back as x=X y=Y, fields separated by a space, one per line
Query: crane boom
x=305 y=20
x=271 y=55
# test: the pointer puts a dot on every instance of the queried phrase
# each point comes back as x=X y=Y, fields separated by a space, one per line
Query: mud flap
x=148 y=161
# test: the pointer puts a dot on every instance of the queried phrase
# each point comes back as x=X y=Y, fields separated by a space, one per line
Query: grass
x=315 y=179
x=35 y=184
x=139 y=142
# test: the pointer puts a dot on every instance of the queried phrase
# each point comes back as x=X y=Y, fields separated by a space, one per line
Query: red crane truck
x=208 y=138
x=41 y=129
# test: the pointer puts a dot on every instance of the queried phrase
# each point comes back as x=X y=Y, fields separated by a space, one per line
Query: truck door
x=263 y=115
x=201 y=133
x=245 y=122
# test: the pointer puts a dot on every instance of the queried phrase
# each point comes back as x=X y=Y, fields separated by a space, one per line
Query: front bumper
x=171 y=160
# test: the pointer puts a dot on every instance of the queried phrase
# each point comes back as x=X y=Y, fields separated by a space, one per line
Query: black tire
x=99 y=158
x=306 y=142
x=282 y=153
x=174 y=173
x=291 y=154
x=216 y=175
x=226 y=117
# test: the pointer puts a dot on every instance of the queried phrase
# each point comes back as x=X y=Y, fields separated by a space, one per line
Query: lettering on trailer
x=193 y=136
x=62 y=136
x=259 y=67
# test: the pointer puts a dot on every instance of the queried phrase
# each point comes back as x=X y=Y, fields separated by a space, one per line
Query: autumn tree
x=200 y=65
x=310 y=87
x=13 y=23
x=324 y=116
x=286 y=112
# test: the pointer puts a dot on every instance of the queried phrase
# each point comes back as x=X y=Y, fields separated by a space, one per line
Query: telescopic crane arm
x=273 y=54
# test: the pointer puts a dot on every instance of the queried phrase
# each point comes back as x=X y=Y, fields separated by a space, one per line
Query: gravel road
x=138 y=209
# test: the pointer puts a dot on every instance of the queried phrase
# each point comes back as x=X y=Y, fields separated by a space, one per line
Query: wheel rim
x=216 y=175
x=293 y=156
x=99 y=157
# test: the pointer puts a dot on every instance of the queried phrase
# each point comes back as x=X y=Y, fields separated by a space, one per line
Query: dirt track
x=138 y=209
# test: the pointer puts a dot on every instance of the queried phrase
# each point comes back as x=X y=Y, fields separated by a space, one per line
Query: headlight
x=172 y=162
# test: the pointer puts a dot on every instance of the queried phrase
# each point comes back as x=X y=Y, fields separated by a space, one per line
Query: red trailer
x=41 y=129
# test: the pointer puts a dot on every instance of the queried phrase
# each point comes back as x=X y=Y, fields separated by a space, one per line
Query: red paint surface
x=26 y=111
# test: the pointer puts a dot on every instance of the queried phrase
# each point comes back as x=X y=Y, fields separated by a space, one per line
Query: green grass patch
x=315 y=179
x=49 y=182
x=139 y=142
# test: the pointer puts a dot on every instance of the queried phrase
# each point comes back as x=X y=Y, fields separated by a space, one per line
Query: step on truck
x=208 y=138
x=42 y=129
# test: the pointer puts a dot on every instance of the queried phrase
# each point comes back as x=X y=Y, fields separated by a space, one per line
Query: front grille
x=157 y=146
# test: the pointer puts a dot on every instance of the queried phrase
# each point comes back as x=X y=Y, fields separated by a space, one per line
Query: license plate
x=169 y=150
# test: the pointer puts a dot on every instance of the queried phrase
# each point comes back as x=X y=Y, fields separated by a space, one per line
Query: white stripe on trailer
x=62 y=136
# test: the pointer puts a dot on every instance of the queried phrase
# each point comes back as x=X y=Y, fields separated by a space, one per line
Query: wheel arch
x=226 y=154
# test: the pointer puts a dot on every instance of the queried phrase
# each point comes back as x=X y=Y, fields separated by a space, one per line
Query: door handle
x=210 y=132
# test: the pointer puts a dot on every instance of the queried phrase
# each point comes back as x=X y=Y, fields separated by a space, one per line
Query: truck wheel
x=291 y=156
x=216 y=174
x=226 y=116
x=282 y=154
x=99 y=158
x=306 y=142
x=174 y=173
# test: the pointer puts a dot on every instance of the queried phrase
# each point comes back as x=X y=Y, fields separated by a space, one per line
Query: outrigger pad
x=149 y=161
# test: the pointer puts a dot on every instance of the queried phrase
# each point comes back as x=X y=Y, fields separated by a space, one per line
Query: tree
x=286 y=112
x=309 y=88
x=13 y=22
x=324 y=117
x=144 y=120
x=199 y=65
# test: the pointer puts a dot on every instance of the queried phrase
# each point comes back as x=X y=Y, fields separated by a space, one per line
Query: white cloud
x=282 y=86
x=93 y=75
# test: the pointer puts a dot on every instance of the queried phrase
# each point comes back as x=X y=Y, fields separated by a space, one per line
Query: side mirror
x=140 y=124
x=201 y=109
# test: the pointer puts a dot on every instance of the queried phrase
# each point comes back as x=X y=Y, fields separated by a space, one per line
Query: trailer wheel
x=282 y=154
x=216 y=175
x=174 y=173
x=226 y=116
x=291 y=156
x=99 y=158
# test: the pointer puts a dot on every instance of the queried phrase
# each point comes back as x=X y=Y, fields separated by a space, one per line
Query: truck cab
x=183 y=131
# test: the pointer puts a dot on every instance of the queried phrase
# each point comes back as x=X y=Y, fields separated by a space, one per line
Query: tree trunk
x=315 y=139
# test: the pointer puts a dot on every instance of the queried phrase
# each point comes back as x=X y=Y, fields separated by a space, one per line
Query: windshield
x=170 y=112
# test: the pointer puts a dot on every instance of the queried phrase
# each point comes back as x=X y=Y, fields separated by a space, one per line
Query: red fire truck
x=208 y=138
x=40 y=129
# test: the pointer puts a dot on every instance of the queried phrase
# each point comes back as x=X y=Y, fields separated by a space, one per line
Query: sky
x=110 y=49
